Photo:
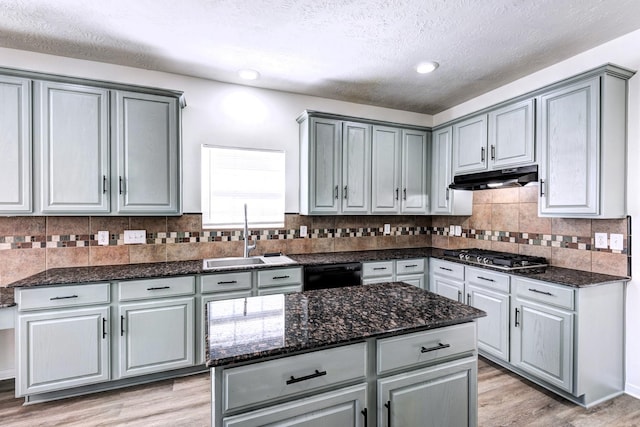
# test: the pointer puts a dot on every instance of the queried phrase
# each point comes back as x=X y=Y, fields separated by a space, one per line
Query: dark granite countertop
x=82 y=275
x=6 y=298
x=249 y=329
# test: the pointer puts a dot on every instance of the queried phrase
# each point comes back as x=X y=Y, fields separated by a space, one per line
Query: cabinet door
x=451 y=289
x=444 y=395
x=15 y=145
x=356 y=168
x=493 y=330
x=155 y=336
x=73 y=130
x=147 y=177
x=62 y=349
x=346 y=407
x=511 y=135
x=442 y=175
x=324 y=170
x=415 y=172
x=470 y=145
x=569 y=150
x=385 y=170
x=416 y=280
x=542 y=342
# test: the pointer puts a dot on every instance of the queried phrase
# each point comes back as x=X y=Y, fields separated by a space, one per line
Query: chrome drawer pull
x=484 y=278
x=157 y=288
x=379 y=268
x=67 y=297
x=440 y=346
x=411 y=266
x=445 y=268
x=104 y=328
x=280 y=277
x=316 y=374
x=228 y=282
x=364 y=413
x=541 y=292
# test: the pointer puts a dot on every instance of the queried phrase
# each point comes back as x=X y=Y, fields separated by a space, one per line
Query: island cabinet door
x=155 y=336
x=443 y=395
x=345 y=407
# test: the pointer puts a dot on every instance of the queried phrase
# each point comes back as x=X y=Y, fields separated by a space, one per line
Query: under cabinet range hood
x=512 y=177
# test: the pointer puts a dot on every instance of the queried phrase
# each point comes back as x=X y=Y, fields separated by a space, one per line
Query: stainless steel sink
x=230 y=262
x=213 y=263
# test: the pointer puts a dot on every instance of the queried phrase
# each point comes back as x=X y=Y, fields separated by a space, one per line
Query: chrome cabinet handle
x=336 y=192
x=316 y=374
x=445 y=268
x=228 y=282
x=121 y=326
x=364 y=414
x=541 y=190
x=540 y=292
x=157 y=288
x=397 y=193
x=379 y=268
x=404 y=194
x=468 y=299
x=345 y=192
x=411 y=266
x=66 y=297
x=447 y=195
x=120 y=184
x=280 y=277
x=104 y=328
x=104 y=184
x=484 y=278
x=493 y=152
x=440 y=346
x=482 y=154
x=459 y=296
x=517 y=323
x=388 y=406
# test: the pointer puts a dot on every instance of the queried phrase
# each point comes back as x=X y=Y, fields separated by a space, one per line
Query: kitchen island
x=360 y=356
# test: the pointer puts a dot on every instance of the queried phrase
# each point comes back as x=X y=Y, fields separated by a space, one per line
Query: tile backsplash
x=504 y=220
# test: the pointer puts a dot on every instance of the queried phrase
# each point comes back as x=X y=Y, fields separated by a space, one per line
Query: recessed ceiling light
x=426 y=67
x=248 y=74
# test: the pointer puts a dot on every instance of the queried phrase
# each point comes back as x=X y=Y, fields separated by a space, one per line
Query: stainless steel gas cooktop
x=502 y=260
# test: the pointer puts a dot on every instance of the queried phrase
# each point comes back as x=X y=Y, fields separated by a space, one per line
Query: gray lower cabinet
x=72 y=130
x=15 y=146
x=444 y=395
x=62 y=338
x=411 y=271
x=447 y=279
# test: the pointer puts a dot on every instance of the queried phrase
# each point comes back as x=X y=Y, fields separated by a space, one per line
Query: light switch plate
x=452 y=230
x=103 y=238
x=601 y=240
x=387 y=229
x=303 y=231
x=458 y=230
x=135 y=236
x=616 y=242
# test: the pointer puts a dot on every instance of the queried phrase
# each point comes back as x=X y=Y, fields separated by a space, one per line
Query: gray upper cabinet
x=415 y=172
x=147 y=153
x=356 y=168
x=470 y=145
x=385 y=167
x=15 y=145
x=582 y=141
x=511 y=135
x=73 y=133
x=446 y=201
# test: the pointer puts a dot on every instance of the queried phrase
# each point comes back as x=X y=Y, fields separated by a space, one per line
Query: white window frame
x=264 y=186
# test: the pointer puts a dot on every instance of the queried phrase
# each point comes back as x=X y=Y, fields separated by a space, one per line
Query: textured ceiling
x=360 y=51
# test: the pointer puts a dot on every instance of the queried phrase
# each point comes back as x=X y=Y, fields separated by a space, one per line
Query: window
x=232 y=177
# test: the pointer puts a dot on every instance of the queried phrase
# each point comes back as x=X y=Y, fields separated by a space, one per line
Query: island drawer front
x=488 y=279
x=414 y=349
x=279 y=277
x=62 y=296
x=409 y=266
x=447 y=268
x=377 y=269
x=156 y=288
x=547 y=293
x=266 y=381
x=226 y=282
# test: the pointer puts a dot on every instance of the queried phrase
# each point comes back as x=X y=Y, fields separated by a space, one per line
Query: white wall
x=624 y=52
x=219 y=113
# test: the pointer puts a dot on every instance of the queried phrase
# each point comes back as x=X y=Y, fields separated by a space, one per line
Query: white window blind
x=232 y=177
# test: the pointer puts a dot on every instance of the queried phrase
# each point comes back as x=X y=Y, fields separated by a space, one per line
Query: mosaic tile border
x=85 y=240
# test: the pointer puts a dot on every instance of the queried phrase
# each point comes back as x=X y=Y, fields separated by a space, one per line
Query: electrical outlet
x=387 y=229
x=458 y=231
x=616 y=242
x=303 y=231
x=601 y=240
x=135 y=236
x=452 y=230
x=103 y=238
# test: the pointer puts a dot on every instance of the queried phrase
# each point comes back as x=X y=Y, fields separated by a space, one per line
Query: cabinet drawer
x=488 y=279
x=62 y=296
x=447 y=268
x=409 y=266
x=156 y=288
x=414 y=349
x=289 y=376
x=545 y=292
x=279 y=277
x=226 y=282
x=377 y=269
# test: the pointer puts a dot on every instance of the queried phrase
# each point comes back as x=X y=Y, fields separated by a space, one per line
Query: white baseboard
x=7 y=374
x=632 y=390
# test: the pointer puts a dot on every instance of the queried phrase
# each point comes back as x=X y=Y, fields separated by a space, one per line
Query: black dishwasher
x=332 y=275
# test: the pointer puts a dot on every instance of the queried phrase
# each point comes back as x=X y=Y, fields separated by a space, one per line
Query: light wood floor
x=504 y=400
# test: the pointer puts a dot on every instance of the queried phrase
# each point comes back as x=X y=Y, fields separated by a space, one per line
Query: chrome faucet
x=247 y=247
